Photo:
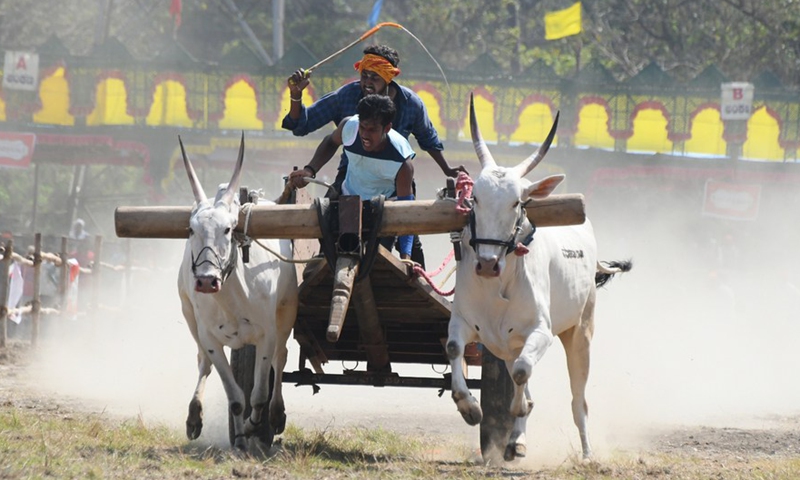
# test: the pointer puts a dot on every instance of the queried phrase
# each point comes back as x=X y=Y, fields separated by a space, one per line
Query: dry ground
x=695 y=452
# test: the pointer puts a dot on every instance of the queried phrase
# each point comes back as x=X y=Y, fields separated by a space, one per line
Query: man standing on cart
x=379 y=158
x=377 y=70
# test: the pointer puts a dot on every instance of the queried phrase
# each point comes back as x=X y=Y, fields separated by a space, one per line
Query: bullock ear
x=233 y=185
x=529 y=163
x=477 y=141
x=197 y=189
x=544 y=187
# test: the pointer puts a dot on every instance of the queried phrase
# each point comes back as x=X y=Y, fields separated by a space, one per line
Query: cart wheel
x=243 y=363
x=496 y=391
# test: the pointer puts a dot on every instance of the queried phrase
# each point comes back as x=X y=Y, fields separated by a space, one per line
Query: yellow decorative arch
x=54 y=93
x=649 y=132
x=111 y=104
x=707 y=130
x=241 y=108
x=762 y=137
x=593 y=127
x=2 y=110
x=535 y=122
x=169 y=106
x=434 y=110
x=484 y=112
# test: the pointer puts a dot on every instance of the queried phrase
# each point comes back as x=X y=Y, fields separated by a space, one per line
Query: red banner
x=16 y=149
x=734 y=201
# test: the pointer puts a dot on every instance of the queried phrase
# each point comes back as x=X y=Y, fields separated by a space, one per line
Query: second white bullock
x=230 y=303
x=517 y=288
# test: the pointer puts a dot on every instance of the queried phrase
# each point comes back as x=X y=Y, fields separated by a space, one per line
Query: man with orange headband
x=377 y=70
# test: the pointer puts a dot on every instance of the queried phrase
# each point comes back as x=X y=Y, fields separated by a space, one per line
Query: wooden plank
x=300 y=221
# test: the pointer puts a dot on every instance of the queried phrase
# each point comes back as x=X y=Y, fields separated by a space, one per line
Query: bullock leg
x=259 y=396
x=459 y=334
x=194 y=422
x=535 y=346
x=277 y=410
x=517 y=442
x=576 y=342
x=234 y=393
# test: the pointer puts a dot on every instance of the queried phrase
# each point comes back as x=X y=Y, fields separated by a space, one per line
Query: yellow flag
x=563 y=23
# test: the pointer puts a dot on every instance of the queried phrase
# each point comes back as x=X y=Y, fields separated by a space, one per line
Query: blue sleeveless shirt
x=372 y=173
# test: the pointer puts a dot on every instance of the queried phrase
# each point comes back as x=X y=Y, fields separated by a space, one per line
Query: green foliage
x=742 y=38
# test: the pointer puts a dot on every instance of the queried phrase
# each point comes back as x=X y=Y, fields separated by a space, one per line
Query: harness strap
x=225 y=270
x=519 y=248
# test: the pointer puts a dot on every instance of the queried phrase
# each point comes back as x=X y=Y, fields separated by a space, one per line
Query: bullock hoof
x=240 y=443
x=515 y=450
x=471 y=411
x=194 y=422
x=278 y=421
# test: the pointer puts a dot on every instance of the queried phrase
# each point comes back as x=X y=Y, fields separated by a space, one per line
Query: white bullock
x=515 y=290
x=230 y=303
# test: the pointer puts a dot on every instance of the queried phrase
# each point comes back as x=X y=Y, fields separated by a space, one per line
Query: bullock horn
x=233 y=185
x=529 y=163
x=197 y=189
x=484 y=156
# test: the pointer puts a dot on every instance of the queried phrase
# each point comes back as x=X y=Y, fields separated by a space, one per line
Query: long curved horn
x=197 y=189
x=233 y=185
x=529 y=163
x=484 y=156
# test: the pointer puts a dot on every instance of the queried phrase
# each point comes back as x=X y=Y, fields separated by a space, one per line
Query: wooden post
x=36 y=303
x=369 y=326
x=96 y=274
x=343 y=279
x=4 y=287
x=63 y=284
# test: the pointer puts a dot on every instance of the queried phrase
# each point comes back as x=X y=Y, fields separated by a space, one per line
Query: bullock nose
x=206 y=284
x=488 y=267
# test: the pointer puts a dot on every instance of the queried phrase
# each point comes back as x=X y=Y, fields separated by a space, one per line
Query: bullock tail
x=606 y=272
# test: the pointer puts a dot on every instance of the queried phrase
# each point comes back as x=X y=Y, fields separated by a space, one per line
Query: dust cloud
x=682 y=339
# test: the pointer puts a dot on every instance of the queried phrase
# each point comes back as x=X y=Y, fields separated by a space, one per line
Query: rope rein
x=248 y=209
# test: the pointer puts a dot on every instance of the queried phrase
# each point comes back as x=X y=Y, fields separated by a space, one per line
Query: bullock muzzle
x=213 y=283
x=207 y=284
x=488 y=267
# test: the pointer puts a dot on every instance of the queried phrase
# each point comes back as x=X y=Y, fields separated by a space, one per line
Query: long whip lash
x=371 y=32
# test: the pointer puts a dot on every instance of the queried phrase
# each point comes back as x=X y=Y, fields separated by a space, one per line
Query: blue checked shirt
x=411 y=117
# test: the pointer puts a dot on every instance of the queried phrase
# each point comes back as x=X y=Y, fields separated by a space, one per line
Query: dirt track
x=710 y=450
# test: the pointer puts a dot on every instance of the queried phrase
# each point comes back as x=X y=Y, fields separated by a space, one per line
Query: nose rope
x=225 y=271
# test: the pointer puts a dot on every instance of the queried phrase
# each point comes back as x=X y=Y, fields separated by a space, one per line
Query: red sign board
x=16 y=149
x=734 y=201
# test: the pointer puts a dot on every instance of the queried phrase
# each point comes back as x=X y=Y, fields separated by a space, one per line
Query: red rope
x=463 y=192
x=419 y=271
x=444 y=263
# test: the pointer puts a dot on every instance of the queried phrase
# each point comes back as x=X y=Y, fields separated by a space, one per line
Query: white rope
x=248 y=208
x=324 y=184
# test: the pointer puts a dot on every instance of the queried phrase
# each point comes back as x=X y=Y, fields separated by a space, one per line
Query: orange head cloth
x=379 y=65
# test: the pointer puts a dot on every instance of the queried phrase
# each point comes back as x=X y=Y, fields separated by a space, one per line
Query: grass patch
x=41 y=443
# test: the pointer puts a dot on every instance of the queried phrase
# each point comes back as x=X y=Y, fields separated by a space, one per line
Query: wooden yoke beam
x=420 y=217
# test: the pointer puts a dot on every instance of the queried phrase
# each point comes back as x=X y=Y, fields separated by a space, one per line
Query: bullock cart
x=358 y=302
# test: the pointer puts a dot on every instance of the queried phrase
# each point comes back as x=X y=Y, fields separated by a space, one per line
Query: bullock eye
x=191 y=232
x=227 y=230
x=516 y=204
